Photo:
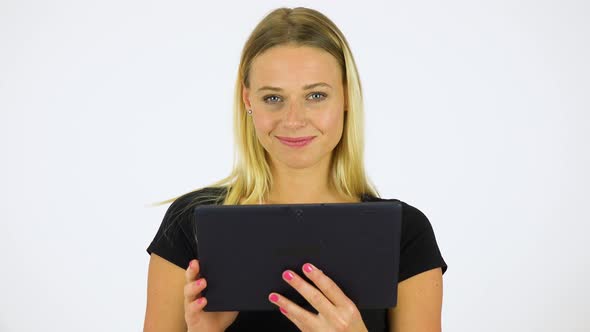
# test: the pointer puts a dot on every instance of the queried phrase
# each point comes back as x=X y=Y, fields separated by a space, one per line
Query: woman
x=299 y=131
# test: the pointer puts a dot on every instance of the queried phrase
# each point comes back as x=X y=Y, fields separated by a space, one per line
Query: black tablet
x=244 y=249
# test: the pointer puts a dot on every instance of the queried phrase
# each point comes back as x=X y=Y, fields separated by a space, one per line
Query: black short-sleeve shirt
x=175 y=241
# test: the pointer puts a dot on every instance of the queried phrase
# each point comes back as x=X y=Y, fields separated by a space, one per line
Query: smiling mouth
x=295 y=141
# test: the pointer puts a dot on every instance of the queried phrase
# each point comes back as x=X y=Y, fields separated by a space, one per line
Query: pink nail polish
x=283 y=311
x=199 y=282
x=274 y=297
x=307 y=267
x=200 y=300
x=288 y=275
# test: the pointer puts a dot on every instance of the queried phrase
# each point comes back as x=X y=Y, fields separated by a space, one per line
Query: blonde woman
x=298 y=121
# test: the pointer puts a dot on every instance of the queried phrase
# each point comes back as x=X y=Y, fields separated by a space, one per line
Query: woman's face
x=296 y=91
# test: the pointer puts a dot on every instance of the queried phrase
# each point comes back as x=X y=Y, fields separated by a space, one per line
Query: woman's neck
x=292 y=198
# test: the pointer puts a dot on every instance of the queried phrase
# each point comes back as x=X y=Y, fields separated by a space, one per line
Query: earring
x=249 y=111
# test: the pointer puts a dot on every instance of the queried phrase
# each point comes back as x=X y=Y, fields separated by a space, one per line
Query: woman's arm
x=419 y=304
x=165 y=297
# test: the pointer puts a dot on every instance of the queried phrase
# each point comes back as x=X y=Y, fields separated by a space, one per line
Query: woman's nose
x=295 y=115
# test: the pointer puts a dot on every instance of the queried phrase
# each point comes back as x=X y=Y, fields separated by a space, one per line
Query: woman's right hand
x=196 y=319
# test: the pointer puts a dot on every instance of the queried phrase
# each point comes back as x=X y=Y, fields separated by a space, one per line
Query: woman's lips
x=295 y=141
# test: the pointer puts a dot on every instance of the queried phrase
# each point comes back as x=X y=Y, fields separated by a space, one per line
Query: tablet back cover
x=244 y=249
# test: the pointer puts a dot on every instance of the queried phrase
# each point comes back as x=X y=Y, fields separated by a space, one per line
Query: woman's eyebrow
x=305 y=87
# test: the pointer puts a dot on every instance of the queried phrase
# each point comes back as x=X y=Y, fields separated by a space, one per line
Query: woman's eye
x=318 y=95
x=271 y=99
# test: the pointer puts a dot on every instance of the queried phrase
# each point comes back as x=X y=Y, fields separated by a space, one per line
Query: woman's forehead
x=290 y=65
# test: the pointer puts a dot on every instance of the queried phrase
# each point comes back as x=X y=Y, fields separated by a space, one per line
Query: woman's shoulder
x=205 y=195
x=174 y=240
x=412 y=217
x=181 y=210
x=419 y=247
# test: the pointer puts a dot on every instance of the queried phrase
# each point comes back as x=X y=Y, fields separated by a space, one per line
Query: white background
x=477 y=114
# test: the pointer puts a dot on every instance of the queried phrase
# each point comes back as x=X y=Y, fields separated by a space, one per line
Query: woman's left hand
x=336 y=312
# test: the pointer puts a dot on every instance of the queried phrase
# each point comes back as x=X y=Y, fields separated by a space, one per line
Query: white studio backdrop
x=477 y=113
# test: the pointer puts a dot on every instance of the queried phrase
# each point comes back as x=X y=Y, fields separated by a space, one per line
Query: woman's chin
x=297 y=162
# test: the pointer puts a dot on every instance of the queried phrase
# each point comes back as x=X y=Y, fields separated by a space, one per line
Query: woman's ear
x=246 y=97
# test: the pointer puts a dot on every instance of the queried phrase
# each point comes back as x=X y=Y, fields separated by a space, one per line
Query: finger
x=191 y=276
x=311 y=294
x=192 y=271
x=302 y=318
x=192 y=311
x=327 y=286
x=192 y=290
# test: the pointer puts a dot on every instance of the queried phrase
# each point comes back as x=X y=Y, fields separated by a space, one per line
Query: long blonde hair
x=250 y=178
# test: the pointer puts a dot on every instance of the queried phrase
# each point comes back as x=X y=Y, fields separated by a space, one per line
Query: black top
x=175 y=242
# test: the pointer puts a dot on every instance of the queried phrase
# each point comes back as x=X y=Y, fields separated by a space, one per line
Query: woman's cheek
x=264 y=125
x=331 y=120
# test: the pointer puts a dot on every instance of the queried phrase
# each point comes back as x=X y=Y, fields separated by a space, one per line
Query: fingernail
x=192 y=264
x=200 y=300
x=283 y=311
x=307 y=267
x=274 y=297
x=199 y=282
x=288 y=275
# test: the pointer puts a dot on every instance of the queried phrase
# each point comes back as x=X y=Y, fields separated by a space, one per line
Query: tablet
x=244 y=249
